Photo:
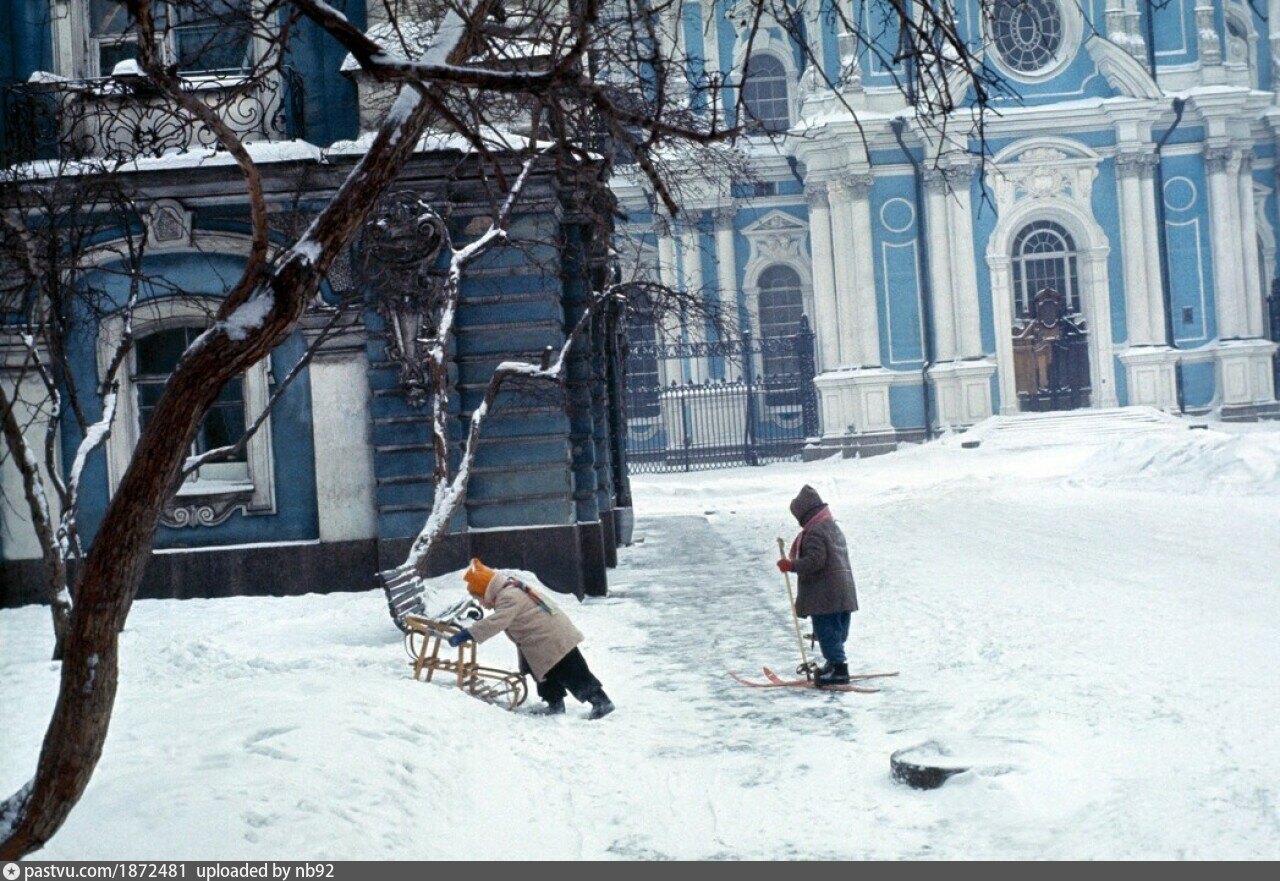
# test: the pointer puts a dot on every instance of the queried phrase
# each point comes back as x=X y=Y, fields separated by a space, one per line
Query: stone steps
x=1072 y=427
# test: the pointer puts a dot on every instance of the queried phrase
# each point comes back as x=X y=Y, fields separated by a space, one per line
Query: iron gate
x=1051 y=357
x=743 y=401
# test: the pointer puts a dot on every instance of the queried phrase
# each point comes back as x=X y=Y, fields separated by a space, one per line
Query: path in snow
x=1127 y=635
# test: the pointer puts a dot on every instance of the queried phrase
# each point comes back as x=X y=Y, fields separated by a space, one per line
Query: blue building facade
x=918 y=247
x=337 y=481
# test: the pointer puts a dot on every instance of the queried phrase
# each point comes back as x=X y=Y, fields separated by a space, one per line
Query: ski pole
x=786 y=576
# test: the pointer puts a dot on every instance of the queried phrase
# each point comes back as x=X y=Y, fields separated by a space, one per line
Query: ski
x=778 y=681
x=751 y=683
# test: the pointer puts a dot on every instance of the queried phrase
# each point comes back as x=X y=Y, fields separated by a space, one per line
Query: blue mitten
x=459 y=638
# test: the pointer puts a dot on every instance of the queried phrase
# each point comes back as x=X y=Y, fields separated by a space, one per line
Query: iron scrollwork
x=401 y=247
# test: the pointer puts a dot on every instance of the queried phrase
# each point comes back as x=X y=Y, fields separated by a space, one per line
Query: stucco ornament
x=400 y=250
x=1044 y=173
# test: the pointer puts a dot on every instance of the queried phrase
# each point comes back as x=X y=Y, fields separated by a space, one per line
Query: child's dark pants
x=832 y=630
x=570 y=674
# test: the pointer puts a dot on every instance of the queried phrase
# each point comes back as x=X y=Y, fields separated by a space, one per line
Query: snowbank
x=1208 y=461
x=1123 y=643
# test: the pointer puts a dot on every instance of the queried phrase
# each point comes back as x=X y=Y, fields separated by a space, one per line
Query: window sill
x=194 y=489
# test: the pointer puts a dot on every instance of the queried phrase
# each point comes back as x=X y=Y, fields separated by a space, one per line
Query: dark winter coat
x=821 y=562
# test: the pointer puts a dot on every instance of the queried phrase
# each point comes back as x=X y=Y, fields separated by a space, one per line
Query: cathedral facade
x=1106 y=236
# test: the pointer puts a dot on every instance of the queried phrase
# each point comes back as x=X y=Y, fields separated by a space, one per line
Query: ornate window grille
x=1044 y=256
x=1028 y=34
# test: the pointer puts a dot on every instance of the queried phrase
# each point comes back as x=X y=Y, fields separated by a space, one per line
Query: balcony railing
x=120 y=118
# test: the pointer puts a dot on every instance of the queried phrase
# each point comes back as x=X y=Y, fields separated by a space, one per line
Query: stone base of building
x=567 y=559
x=266 y=570
x=1151 y=374
x=1250 y=412
x=961 y=392
x=854 y=402
x=1246 y=378
x=851 y=446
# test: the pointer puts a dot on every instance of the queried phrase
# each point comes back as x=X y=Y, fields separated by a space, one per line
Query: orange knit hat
x=478 y=577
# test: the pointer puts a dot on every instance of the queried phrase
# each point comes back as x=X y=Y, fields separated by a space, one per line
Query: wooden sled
x=424 y=639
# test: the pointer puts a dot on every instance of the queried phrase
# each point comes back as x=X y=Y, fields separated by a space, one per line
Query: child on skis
x=544 y=635
x=820 y=557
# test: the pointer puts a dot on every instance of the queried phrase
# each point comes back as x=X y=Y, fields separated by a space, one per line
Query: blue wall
x=293 y=452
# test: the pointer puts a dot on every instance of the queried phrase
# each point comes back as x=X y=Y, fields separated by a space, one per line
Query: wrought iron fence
x=742 y=401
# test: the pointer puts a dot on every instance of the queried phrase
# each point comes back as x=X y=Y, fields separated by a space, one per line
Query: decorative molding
x=248 y=487
x=1222 y=159
x=815 y=194
x=207 y=510
x=168 y=225
x=778 y=237
x=1045 y=170
x=1210 y=51
x=1135 y=163
x=1122 y=69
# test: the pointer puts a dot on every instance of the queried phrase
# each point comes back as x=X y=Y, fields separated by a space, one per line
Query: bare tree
x=580 y=83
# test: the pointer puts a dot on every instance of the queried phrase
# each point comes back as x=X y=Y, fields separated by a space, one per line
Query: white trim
x=255 y=478
x=1093 y=249
x=888 y=305
x=1072 y=31
x=1204 y=308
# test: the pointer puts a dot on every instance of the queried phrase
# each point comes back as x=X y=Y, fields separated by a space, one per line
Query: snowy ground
x=1112 y=607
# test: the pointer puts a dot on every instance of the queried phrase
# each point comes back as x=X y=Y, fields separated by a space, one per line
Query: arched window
x=1044 y=256
x=155 y=357
x=765 y=95
x=781 y=307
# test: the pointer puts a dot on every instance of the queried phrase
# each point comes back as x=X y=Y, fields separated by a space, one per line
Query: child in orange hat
x=544 y=635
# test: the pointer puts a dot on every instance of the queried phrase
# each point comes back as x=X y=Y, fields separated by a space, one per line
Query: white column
x=1133 y=244
x=845 y=272
x=668 y=275
x=344 y=456
x=1151 y=249
x=695 y=324
x=1273 y=27
x=815 y=27
x=1002 y=305
x=1221 y=163
x=825 y=323
x=726 y=260
x=866 y=323
x=671 y=44
x=939 y=247
x=711 y=45
x=964 y=269
x=1253 y=292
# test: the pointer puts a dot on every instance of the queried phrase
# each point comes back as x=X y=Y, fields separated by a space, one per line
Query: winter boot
x=550 y=708
x=832 y=674
x=601 y=706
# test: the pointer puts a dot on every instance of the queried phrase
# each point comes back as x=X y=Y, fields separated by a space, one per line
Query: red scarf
x=823 y=516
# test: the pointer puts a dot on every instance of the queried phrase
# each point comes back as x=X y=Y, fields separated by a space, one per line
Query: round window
x=1028 y=34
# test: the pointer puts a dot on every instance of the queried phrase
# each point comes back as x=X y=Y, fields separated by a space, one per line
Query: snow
x=261 y=152
x=1108 y=608
x=128 y=67
x=250 y=314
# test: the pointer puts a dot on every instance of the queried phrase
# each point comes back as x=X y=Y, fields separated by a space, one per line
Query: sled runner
x=425 y=638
